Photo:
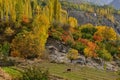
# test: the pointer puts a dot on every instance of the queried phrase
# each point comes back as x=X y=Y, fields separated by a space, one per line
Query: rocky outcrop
x=58 y=45
x=57 y=51
x=56 y=56
x=59 y=55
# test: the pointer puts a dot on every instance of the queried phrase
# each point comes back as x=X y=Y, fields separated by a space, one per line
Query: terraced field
x=78 y=72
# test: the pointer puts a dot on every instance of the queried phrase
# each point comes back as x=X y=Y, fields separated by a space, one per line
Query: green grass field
x=77 y=72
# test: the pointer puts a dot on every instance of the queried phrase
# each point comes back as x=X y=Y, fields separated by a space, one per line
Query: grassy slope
x=11 y=71
x=79 y=73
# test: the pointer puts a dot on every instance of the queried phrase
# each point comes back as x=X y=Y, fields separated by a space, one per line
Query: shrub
x=88 y=52
x=56 y=35
x=87 y=36
x=87 y=31
x=72 y=54
x=9 y=31
x=35 y=73
x=73 y=22
x=79 y=46
x=25 y=45
x=76 y=35
x=69 y=42
x=104 y=54
x=4 y=49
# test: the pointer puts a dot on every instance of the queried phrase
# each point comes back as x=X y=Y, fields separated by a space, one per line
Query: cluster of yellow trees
x=33 y=18
x=106 y=11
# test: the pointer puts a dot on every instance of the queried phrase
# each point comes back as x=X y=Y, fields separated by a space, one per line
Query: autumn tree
x=72 y=54
x=73 y=22
x=29 y=44
x=107 y=33
x=87 y=31
x=40 y=30
x=90 y=50
x=32 y=41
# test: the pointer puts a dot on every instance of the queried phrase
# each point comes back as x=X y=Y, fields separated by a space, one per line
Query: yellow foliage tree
x=40 y=30
x=73 y=54
x=107 y=33
x=73 y=22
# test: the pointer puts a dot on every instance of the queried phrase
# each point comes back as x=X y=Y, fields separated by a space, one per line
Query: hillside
x=97 y=15
x=98 y=2
x=62 y=33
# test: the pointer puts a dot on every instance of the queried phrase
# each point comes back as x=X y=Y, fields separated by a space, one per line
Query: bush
x=87 y=36
x=79 y=46
x=35 y=73
x=56 y=35
x=4 y=49
x=72 y=54
x=25 y=45
x=76 y=35
x=69 y=42
x=104 y=54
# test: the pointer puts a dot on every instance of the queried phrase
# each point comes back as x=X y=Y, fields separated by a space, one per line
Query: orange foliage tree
x=90 y=50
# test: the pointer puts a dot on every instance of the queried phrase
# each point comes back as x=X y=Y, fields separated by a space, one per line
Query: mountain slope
x=116 y=4
x=98 y=2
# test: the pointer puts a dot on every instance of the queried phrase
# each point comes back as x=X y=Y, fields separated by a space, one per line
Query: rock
x=109 y=66
x=118 y=62
x=81 y=60
x=58 y=45
x=89 y=62
x=99 y=61
x=56 y=53
x=58 y=57
x=4 y=76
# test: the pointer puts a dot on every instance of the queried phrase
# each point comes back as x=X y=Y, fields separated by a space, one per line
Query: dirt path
x=4 y=76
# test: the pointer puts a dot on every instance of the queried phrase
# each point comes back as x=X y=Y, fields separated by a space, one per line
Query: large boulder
x=58 y=45
x=81 y=60
x=56 y=56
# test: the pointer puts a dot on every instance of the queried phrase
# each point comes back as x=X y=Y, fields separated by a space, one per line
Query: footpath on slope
x=4 y=76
